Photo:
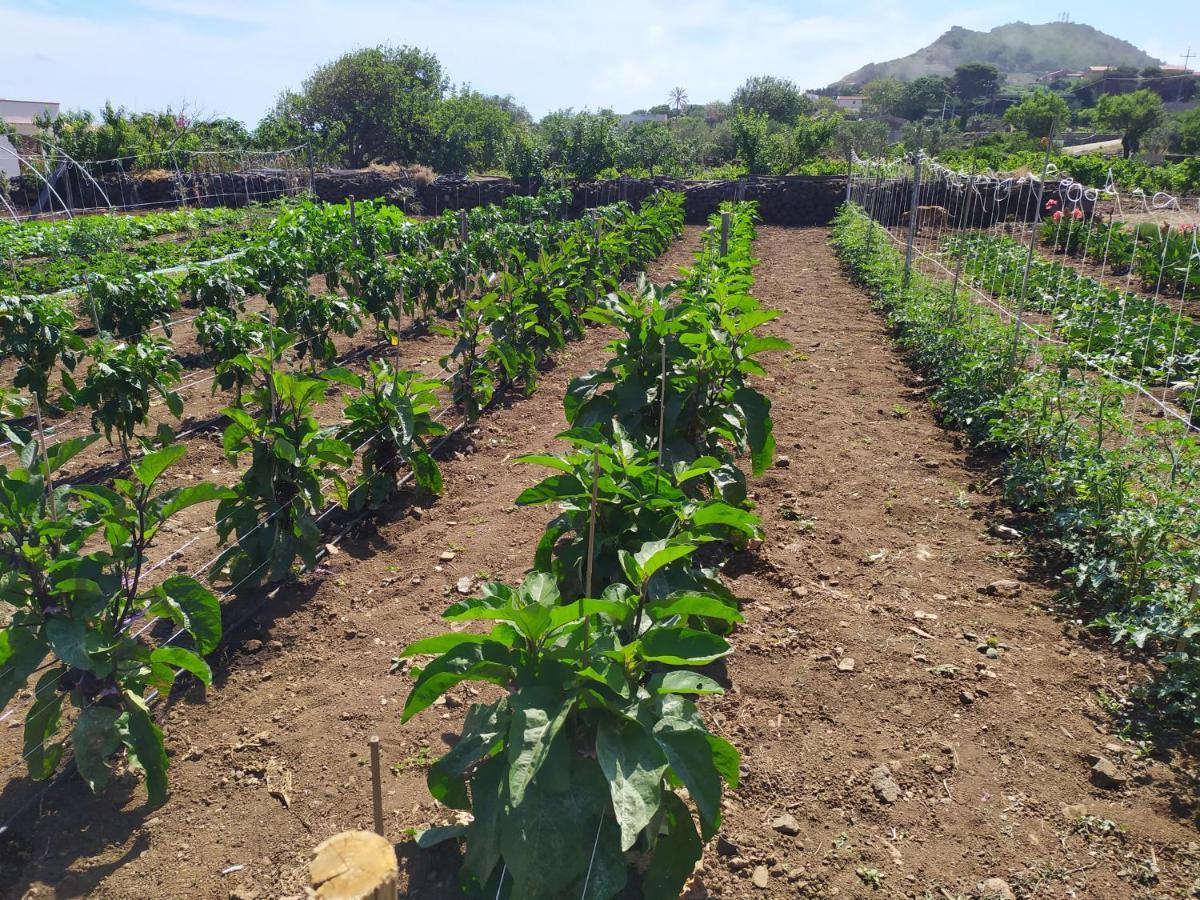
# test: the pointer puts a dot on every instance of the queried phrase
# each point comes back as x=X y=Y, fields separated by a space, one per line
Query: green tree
x=1132 y=114
x=469 y=132
x=866 y=137
x=583 y=143
x=976 y=81
x=884 y=96
x=1189 y=131
x=921 y=95
x=809 y=139
x=381 y=99
x=749 y=129
x=523 y=156
x=1038 y=113
x=779 y=98
x=649 y=146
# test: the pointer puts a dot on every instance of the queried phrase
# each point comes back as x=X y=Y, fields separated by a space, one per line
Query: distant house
x=1052 y=76
x=852 y=104
x=20 y=115
x=638 y=118
x=1176 y=70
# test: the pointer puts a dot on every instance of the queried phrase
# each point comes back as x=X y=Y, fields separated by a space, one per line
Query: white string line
x=1043 y=336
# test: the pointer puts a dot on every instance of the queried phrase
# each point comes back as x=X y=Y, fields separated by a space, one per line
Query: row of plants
x=1118 y=499
x=76 y=558
x=1165 y=258
x=1132 y=335
x=91 y=234
x=589 y=775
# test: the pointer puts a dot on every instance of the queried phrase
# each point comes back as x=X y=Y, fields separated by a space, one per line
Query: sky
x=233 y=57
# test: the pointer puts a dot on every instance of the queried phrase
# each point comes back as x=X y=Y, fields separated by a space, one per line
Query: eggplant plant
x=75 y=565
x=588 y=749
x=390 y=423
x=272 y=512
x=119 y=382
x=472 y=382
x=229 y=343
x=39 y=333
x=127 y=308
x=315 y=319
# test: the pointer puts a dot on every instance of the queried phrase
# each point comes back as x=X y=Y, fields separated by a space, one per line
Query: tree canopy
x=1132 y=114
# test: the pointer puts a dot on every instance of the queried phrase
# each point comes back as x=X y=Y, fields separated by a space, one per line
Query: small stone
x=1008 y=534
x=351 y=633
x=464 y=584
x=253 y=645
x=1106 y=775
x=925 y=616
x=994 y=889
x=726 y=847
x=1004 y=587
x=274 y=645
x=800 y=591
x=786 y=824
x=846 y=664
x=447 y=555
x=920 y=632
x=416 y=579
x=992 y=653
x=760 y=877
x=884 y=785
x=782 y=462
x=966 y=698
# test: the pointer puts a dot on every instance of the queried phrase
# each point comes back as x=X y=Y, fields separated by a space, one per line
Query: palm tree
x=679 y=99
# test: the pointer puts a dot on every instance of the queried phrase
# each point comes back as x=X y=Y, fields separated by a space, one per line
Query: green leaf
x=717 y=513
x=542 y=459
x=542 y=589
x=675 y=853
x=689 y=603
x=537 y=718
x=556 y=487
x=691 y=759
x=634 y=765
x=143 y=738
x=58 y=455
x=726 y=759
x=757 y=411
x=683 y=646
x=154 y=464
x=174 y=403
x=682 y=681
x=181 y=658
x=190 y=496
x=193 y=607
x=431 y=837
x=41 y=722
x=284 y=449
x=701 y=466
x=656 y=554
x=95 y=739
x=21 y=652
x=439 y=644
x=482 y=732
x=68 y=639
x=488 y=661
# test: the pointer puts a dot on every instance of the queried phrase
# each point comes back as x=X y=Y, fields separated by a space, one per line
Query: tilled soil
x=886 y=751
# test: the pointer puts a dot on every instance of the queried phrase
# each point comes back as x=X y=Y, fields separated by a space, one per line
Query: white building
x=638 y=118
x=853 y=104
x=20 y=115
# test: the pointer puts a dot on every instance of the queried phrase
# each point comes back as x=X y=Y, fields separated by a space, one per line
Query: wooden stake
x=662 y=402
x=724 y=234
x=353 y=221
x=376 y=786
x=354 y=865
x=591 y=557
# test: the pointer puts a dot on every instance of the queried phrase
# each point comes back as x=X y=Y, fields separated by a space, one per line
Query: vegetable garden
x=597 y=703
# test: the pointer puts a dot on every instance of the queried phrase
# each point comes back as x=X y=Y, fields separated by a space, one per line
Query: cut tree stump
x=354 y=865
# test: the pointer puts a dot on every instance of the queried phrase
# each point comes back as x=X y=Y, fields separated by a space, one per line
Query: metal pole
x=1037 y=212
x=912 y=216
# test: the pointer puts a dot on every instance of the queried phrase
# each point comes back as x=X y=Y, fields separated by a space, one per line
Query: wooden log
x=354 y=865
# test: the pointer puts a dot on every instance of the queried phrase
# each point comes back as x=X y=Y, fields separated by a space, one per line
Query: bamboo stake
x=376 y=786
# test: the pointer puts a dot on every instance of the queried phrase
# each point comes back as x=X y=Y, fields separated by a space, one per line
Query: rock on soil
x=884 y=785
x=786 y=824
x=1004 y=587
x=994 y=889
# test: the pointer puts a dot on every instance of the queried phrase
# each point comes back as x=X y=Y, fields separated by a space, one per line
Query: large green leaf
x=678 y=646
x=691 y=758
x=675 y=854
x=172 y=658
x=488 y=661
x=193 y=607
x=690 y=603
x=154 y=464
x=481 y=734
x=653 y=555
x=538 y=715
x=555 y=487
x=759 y=429
x=41 y=722
x=634 y=765
x=21 y=651
x=681 y=681
x=69 y=640
x=144 y=740
x=96 y=738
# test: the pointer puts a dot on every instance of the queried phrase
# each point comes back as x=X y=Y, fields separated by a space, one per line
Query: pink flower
x=1077 y=214
x=1186 y=229
x=1050 y=204
x=1057 y=215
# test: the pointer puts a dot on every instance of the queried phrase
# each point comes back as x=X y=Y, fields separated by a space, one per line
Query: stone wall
x=790 y=200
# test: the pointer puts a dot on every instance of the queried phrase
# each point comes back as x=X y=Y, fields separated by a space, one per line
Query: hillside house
x=850 y=104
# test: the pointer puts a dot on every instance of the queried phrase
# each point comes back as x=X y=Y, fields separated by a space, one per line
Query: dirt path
x=874 y=518
x=304 y=685
x=878 y=551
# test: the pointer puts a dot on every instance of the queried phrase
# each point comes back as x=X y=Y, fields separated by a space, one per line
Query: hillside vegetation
x=1016 y=49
